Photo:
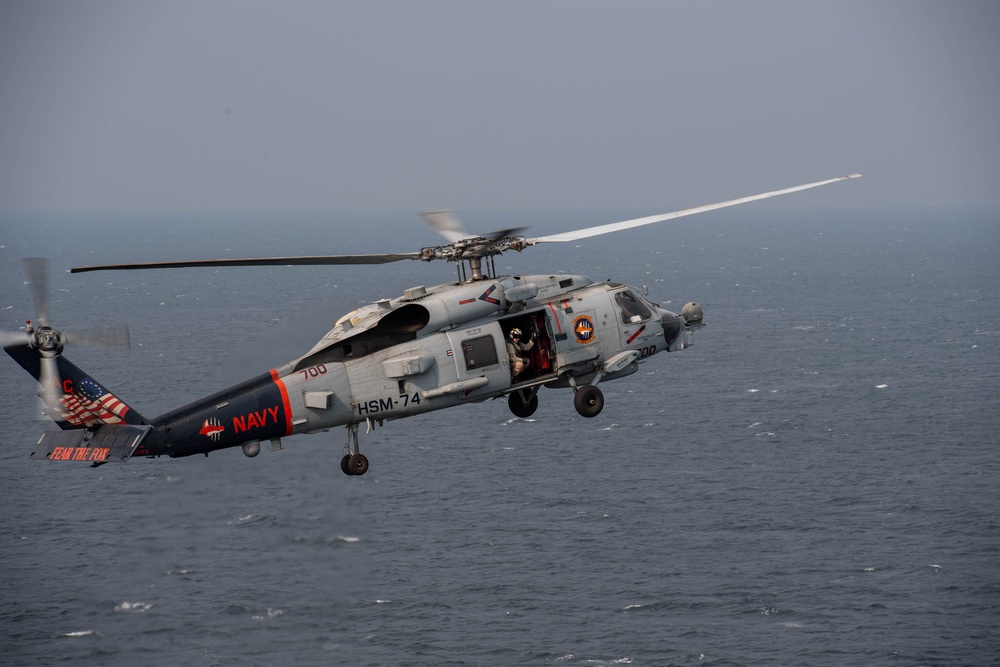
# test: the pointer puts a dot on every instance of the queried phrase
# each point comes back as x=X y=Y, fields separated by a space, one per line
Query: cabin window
x=633 y=309
x=479 y=352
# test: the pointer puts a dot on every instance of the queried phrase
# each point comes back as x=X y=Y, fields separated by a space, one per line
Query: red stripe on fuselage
x=555 y=316
x=284 y=401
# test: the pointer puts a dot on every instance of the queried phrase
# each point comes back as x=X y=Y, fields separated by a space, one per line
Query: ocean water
x=815 y=482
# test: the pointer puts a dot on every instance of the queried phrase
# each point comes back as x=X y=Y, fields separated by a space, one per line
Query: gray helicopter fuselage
x=429 y=349
x=455 y=348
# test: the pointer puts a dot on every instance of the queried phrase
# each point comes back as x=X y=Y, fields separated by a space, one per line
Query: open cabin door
x=480 y=353
x=536 y=327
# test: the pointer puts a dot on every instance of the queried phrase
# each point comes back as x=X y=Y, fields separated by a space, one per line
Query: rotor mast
x=476 y=267
x=473 y=266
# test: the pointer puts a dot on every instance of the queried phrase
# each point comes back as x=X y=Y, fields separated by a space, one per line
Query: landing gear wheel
x=357 y=464
x=589 y=401
x=520 y=407
x=354 y=462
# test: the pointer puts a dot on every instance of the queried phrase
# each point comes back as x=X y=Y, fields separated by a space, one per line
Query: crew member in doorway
x=515 y=351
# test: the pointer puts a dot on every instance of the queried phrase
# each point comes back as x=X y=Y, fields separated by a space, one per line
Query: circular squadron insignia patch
x=583 y=327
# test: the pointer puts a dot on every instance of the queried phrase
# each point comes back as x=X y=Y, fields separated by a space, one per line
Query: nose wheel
x=354 y=462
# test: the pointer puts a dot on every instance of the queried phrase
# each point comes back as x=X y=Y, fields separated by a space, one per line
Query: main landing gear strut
x=354 y=462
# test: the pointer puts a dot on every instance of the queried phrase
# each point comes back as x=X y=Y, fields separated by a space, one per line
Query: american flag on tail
x=90 y=405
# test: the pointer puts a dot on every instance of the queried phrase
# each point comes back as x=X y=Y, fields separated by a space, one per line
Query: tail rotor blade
x=36 y=273
x=117 y=336
x=50 y=382
x=8 y=338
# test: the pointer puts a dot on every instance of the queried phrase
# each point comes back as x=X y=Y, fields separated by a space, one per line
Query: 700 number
x=313 y=372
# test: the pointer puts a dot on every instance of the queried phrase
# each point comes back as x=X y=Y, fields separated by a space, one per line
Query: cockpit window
x=633 y=309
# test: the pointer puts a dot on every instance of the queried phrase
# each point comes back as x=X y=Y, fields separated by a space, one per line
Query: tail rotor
x=47 y=342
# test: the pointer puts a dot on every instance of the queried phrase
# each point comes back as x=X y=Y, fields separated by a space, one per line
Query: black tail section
x=79 y=401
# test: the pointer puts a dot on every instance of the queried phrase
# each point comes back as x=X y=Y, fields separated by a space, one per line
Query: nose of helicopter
x=675 y=326
x=672 y=327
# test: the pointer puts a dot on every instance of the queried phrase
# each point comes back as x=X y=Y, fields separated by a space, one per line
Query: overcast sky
x=505 y=105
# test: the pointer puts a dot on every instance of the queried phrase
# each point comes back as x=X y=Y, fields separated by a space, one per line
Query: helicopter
x=484 y=336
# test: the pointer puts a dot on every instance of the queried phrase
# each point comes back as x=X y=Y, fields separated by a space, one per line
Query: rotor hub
x=48 y=341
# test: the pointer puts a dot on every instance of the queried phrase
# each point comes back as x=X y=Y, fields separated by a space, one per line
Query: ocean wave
x=326 y=539
x=251 y=519
x=269 y=614
x=80 y=633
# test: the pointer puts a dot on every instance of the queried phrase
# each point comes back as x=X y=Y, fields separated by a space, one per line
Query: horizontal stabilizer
x=111 y=442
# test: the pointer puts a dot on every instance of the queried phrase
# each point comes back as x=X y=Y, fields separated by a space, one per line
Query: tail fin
x=79 y=401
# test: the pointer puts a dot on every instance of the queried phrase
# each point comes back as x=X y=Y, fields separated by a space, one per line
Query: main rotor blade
x=257 y=261
x=447 y=224
x=504 y=233
x=639 y=222
x=36 y=273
